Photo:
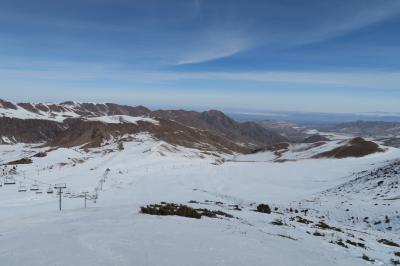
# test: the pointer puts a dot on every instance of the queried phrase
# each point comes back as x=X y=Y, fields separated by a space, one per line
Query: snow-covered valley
x=302 y=192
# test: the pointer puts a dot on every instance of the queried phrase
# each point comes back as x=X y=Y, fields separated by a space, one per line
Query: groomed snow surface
x=112 y=231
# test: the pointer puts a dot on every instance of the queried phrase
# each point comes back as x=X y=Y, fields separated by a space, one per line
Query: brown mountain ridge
x=66 y=125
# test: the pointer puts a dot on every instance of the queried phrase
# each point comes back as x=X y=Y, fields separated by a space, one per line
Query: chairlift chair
x=39 y=191
x=9 y=180
x=22 y=188
x=50 y=190
x=1 y=184
x=34 y=187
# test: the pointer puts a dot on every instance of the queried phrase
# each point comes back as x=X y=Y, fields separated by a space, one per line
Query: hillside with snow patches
x=322 y=210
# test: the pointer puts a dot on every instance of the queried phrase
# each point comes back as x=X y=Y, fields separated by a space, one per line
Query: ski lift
x=1 y=184
x=22 y=188
x=50 y=190
x=9 y=180
x=39 y=191
x=34 y=187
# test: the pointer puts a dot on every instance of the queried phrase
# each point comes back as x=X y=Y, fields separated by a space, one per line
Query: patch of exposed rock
x=357 y=147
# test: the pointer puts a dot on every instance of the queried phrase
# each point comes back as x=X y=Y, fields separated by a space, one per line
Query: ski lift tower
x=84 y=195
x=60 y=187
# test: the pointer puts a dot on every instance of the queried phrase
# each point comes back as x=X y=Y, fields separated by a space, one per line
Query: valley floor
x=112 y=231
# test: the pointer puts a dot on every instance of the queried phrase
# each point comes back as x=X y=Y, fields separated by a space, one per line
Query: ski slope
x=112 y=231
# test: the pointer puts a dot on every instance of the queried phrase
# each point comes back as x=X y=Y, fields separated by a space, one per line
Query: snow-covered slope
x=112 y=231
x=22 y=113
x=300 y=151
x=71 y=109
x=50 y=122
x=118 y=119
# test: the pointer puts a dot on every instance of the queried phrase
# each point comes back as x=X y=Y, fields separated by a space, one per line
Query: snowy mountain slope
x=15 y=117
x=119 y=119
x=372 y=193
x=300 y=151
x=71 y=109
x=113 y=232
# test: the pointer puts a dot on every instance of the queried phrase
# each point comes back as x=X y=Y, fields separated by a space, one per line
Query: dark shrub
x=388 y=242
x=395 y=262
x=264 y=208
x=21 y=161
x=213 y=214
x=171 y=209
x=302 y=220
x=356 y=244
x=316 y=233
x=340 y=243
x=40 y=154
x=164 y=209
x=365 y=257
x=323 y=225
x=277 y=222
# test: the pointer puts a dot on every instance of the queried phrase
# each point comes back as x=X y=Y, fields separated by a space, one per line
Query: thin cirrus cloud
x=215 y=45
x=96 y=73
x=202 y=35
x=316 y=28
x=348 y=20
x=198 y=47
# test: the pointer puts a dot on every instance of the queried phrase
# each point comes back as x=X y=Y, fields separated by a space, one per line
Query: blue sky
x=284 y=55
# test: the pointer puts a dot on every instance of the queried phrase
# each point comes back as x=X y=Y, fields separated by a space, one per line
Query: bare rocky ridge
x=28 y=130
x=357 y=147
x=66 y=125
x=70 y=124
x=90 y=134
x=7 y=105
x=219 y=123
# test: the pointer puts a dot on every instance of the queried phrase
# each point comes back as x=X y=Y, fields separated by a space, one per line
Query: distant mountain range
x=368 y=128
x=386 y=132
x=89 y=124
x=312 y=119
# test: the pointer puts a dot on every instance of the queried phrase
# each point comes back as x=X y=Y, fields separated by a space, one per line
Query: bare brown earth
x=187 y=128
x=29 y=130
x=21 y=161
x=357 y=147
x=217 y=122
x=90 y=134
x=7 y=105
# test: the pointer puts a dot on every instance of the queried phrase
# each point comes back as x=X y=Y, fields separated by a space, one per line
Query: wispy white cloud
x=326 y=23
x=68 y=72
x=215 y=45
x=199 y=34
x=351 y=19
x=212 y=53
